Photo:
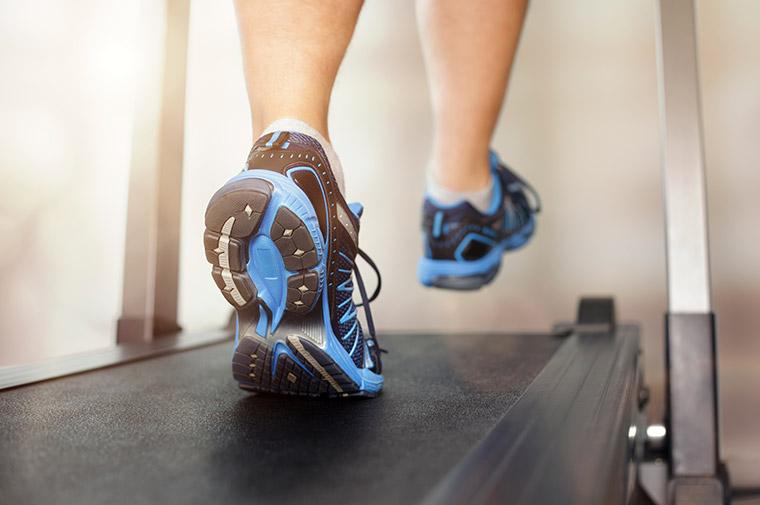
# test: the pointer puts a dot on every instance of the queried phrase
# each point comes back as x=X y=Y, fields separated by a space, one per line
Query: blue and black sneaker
x=463 y=247
x=283 y=244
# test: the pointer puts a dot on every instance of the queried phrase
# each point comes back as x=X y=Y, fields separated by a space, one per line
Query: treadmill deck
x=176 y=429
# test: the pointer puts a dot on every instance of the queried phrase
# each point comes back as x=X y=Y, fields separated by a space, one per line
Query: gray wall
x=67 y=79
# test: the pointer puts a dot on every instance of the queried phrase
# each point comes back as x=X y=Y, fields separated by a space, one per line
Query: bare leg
x=468 y=48
x=292 y=50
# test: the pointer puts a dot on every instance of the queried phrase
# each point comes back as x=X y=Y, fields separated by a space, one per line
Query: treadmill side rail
x=568 y=439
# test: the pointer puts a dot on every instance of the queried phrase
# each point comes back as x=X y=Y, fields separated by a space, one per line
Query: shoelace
x=372 y=342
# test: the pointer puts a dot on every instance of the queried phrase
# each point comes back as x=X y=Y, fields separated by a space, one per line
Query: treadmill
x=544 y=418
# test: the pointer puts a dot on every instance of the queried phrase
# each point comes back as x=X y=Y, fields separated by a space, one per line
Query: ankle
x=314 y=121
x=460 y=173
x=481 y=198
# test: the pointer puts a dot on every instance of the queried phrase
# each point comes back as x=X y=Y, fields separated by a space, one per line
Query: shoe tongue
x=357 y=208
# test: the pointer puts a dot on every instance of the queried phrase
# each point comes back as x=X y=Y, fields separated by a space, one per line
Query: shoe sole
x=267 y=254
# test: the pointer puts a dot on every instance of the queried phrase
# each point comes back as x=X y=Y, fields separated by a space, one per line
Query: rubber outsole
x=302 y=369
x=248 y=222
x=464 y=283
x=232 y=220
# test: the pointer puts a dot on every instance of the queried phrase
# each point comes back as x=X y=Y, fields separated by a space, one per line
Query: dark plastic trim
x=567 y=439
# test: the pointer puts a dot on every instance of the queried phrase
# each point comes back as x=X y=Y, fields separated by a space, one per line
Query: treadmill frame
x=572 y=437
x=151 y=259
x=690 y=338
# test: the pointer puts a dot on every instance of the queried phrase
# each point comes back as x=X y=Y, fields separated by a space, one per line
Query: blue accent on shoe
x=357 y=208
x=237 y=329
x=268 y=272
x=493 y=159
x=273 y=139
x=519 y=239
x=262 y=325
x=428 y=270
x=279 y=348
x=437 y=221
x=347 y=316
x=344 y=303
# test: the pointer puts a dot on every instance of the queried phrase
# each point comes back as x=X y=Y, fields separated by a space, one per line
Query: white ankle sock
x=480 y=198
x=296 y=125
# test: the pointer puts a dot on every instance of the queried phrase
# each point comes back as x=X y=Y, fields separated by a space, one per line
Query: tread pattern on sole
x=299 y=253
x=233 y=215
x=302 y=292
x=252 y=367
x=322 y=365
x=292 y=238
x=237 y=287
x=245 y=200
x=237 y=253
x=232 y=219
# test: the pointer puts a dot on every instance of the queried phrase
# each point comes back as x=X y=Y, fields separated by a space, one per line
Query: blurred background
x=580 y=122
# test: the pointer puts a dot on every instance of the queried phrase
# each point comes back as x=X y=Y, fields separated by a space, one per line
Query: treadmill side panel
x=567 y=440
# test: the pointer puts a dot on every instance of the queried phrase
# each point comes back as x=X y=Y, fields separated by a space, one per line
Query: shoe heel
x=261 y=249
x=293 y=359
x=233 y=215
x=287 y=368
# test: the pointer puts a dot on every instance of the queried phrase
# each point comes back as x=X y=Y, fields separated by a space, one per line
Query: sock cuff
x=296 y=125
x=481 y=199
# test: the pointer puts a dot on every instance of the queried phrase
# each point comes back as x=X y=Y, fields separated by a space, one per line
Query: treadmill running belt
x=176 y=429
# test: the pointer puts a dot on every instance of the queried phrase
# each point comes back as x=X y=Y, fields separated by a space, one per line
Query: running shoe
x=463 y=246
x=283 y=243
